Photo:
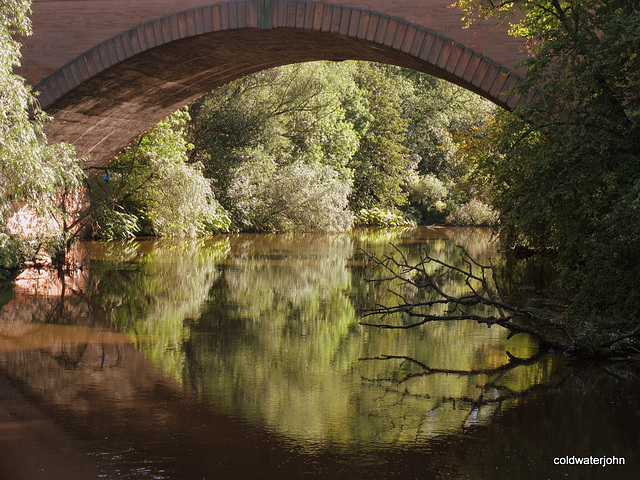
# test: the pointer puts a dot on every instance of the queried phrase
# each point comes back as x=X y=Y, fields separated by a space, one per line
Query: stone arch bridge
x=108 y=70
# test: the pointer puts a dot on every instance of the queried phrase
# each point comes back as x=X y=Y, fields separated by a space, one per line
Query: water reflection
x=267 y=327
x=152 y=290
x=173 y=359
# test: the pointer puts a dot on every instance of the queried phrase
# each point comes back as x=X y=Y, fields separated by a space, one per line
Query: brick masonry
x=109 y=70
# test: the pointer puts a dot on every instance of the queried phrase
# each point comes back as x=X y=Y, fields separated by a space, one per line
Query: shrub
x=378 y=217
x=153 y=189
x=15 y=251
x=111 y=224
x=430 y=198
x=301 y=196
x=473 y=213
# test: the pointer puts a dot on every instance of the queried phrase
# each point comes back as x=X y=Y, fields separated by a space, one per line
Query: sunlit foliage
x=300 y=196
x=378 y=127
x=277 y=146
x=151 y=189
x=382 y=160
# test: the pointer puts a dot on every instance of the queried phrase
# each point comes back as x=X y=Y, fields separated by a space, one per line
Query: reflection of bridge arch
x=106 y=96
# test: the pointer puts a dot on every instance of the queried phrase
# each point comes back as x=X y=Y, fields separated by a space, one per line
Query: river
x=243 y=356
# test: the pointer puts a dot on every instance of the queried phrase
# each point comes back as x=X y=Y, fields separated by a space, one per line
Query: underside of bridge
x=109 y=96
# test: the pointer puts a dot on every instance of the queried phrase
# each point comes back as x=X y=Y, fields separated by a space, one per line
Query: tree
x=33 y=173
x=151 y=189
x=382 y=128
x=382 y=161
x=276 y=145
x=565 y=169
x=434 y=181
x=439 y=112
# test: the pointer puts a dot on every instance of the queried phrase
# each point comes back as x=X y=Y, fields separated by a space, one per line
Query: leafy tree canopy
x=31 y=170
x=565 y=169
x=377 y=127
x=276 y=142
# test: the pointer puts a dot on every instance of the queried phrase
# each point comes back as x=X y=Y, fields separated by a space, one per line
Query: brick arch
x=110 y=94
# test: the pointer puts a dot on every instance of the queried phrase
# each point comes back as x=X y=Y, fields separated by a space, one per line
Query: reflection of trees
x=279 y=334
x=52 y=336
x=264 y=328
x=151 y=290
x=487 y=389
x=443 y=376
x=280 y=344
x=267 y=327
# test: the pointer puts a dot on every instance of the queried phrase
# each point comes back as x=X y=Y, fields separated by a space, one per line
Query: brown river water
x=244 y=357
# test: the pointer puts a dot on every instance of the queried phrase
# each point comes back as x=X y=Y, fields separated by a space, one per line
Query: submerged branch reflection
x=447 y=400
x=515 y=379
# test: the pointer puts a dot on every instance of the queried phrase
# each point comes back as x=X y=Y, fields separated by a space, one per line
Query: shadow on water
x=243 y=357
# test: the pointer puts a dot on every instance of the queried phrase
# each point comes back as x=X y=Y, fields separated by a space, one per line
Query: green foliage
x=377 y=217
x=153 y=190
x=377 y=127
x=32 y=170
x=14 y=252
x=442 y=116
x=276 y=145
x=382 y=160
x=289 y=112
x=111 y=224
x=300 y=196
x=473 y=213
x=430 y=198
x=434 y=201
x=439 y=113
x=564 y=169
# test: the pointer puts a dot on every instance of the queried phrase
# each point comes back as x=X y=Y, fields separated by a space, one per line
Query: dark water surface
x=244 y=357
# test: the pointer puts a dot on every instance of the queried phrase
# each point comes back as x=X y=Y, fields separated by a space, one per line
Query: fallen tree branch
x=423 y=298
x=484 y=293
x=428 y=300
